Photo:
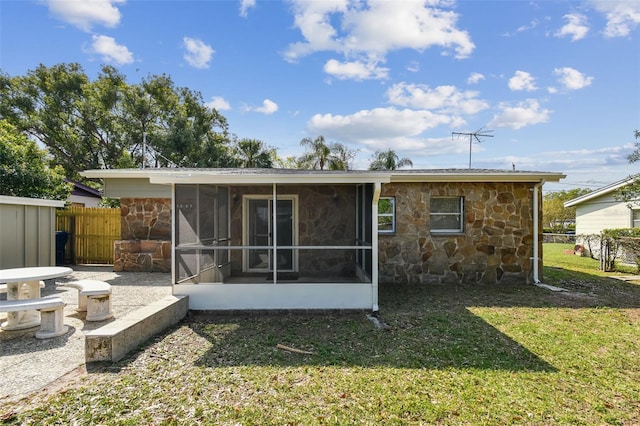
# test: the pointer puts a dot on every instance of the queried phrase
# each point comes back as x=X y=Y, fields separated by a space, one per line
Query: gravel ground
x=28 y=364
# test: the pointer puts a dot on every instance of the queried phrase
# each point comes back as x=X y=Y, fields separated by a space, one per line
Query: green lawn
x=451 y=355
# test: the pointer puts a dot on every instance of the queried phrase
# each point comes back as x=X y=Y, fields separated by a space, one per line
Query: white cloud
x=413 y=66
x=572 y=79
x=198 y=53
x=530 y=26
x=245 y=5
x=576 y=27
x=355 y=70
x=85 y=13
x=523 y=114
x=444 y=99
x=219 y=103
x=268 y=107
x=475 y=77
x=377 y=125
x=372 y=30
x=522 y=80
x=109 y=50
x=622 y=16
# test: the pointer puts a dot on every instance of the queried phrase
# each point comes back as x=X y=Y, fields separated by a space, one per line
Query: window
x=386 y=215
x=635 y=220
x=446 y=214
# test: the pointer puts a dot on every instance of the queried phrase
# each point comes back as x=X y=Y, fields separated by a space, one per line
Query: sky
x=554 y=84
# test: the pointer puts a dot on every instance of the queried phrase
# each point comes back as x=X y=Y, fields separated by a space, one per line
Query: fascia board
x=6 y=199
x=479 y=177
x=164 y=177
x=598 y=193
x=267 y=179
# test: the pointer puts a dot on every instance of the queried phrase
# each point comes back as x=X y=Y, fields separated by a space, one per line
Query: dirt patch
x=69 y=380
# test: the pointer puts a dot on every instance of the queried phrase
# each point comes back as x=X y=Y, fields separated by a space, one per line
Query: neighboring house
x=84 y=196
x=331 y=237
x=600 y=210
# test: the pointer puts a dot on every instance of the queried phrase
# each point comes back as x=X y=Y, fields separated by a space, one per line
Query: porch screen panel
x=368 y=237
x=207 y=218
x=360 y=223
x=364 y=198
x=259 y=233
x=284 y=221
x=186 y=229
x=222 y=224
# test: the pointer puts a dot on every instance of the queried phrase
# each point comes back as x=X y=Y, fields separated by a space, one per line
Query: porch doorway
x=258 y=232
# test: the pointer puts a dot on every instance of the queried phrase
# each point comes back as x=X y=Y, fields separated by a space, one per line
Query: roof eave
x=478 y=177
x=600 y=192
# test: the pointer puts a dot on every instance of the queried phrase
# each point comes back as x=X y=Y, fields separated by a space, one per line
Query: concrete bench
x=3 y=287
x=51 y=314
x=94 y=297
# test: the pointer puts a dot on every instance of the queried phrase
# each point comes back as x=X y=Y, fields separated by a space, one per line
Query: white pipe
x=274 y=233
x=537 y=188
x=374 y=246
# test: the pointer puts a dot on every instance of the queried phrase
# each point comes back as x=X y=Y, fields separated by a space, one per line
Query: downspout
x=537 y=188
x=377 y=187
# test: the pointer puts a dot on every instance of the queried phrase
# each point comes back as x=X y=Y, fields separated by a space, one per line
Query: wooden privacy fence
x=92 y=232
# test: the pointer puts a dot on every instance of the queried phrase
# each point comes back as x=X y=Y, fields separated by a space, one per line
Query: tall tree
x=320 y=155
x=388 y=160
x=24 y=171
x=107 y=123
x=556 y=216
x=341 y=157
x=317 y=155
x=252 y=153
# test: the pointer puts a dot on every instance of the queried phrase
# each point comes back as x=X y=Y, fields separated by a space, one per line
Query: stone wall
x=142 y=256
x=496 y=245
x=146 y=236
x=326 y=216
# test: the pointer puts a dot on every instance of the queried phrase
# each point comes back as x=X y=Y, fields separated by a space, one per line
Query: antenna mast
x=480 y=133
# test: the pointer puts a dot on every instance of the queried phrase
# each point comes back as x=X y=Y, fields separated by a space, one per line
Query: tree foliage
x=388 y=160
x=321 y=155
x=631 y=193
x=555 y=215
x=252 y=153
x=23 y=168
x=108 y=123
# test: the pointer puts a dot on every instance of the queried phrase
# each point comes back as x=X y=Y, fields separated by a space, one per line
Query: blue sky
x=558 y=82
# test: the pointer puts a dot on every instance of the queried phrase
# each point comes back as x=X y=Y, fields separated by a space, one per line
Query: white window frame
x=635 y=223
x=459 y=214
x=392 y=215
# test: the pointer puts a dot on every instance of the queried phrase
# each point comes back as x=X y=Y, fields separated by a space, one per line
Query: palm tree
x=388 y=160
x=340 y=157
x=253 y=153
x=319 y=153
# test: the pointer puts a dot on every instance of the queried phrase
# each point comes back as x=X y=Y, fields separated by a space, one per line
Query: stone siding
x=496 y=245
x=146 y=236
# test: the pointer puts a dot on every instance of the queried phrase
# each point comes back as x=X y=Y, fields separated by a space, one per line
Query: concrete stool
x=94 y=297
x=51 y=315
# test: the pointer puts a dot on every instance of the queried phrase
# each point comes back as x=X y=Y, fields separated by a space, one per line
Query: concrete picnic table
x=24 y=283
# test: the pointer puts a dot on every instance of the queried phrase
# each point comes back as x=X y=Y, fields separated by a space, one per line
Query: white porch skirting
x=277 y=296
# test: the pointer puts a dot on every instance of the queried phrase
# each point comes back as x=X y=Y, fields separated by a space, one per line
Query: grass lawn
x=450 y=355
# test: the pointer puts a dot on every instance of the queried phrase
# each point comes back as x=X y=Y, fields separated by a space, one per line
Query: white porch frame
x=279 y=295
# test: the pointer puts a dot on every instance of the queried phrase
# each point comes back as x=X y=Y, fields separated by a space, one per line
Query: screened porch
x=276 y=246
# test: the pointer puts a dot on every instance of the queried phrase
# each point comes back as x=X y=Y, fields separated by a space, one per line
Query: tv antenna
x=480 y=133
